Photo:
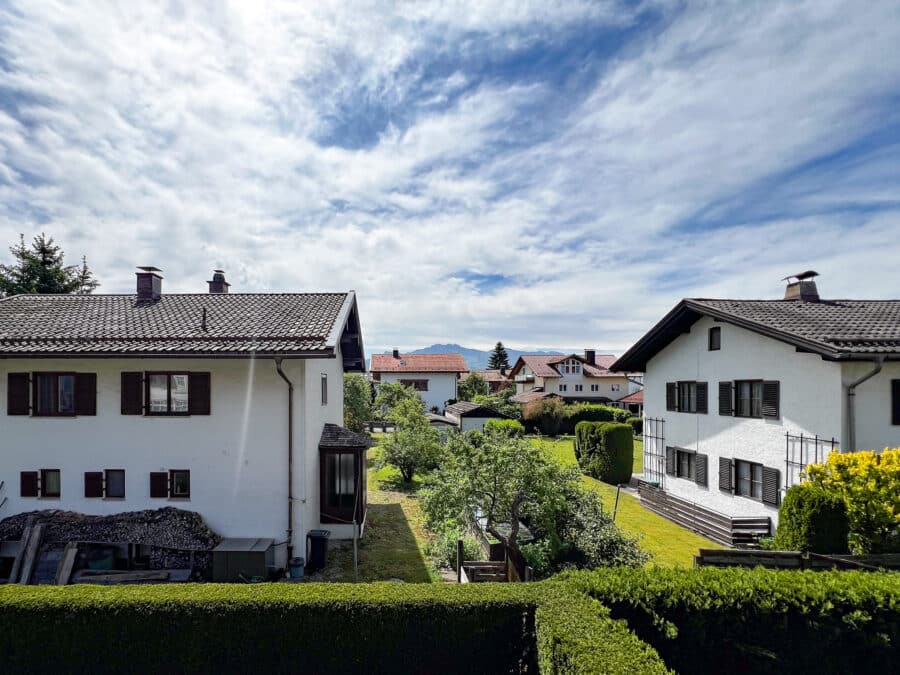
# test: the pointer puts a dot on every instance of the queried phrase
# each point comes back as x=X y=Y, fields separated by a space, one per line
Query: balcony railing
x=524 y=378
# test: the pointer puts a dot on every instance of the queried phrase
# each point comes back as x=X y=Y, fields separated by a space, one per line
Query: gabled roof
x=469 y=409
x=335 y=437
x=543 y=365
x=419 y=363
x=492 y=375
x=528 y=396
x=835 y=329
x=636 y=397
x=178 y=324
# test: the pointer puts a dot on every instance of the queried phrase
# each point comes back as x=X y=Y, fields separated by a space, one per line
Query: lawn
x=670 y=544
x=394 y=545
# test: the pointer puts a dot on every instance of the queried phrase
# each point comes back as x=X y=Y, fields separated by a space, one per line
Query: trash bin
x=316 y=549
x=296 y=568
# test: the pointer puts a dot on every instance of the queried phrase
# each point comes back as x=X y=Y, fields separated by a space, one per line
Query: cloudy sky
x=545 y=173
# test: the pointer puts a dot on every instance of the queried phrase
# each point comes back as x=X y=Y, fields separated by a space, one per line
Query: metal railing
x=802 y=450
x=655 y=450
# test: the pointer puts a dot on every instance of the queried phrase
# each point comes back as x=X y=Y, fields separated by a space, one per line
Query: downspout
x=851 y=402
x=290 y=471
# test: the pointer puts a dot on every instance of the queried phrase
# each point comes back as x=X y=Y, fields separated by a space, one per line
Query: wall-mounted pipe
x=851 y=402
x=290 y=471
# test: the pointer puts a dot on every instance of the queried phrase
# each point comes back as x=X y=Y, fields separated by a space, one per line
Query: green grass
x=670 y=544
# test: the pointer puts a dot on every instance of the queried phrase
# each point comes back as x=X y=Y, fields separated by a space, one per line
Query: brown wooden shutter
x=28 y=484
x=671 y=461
x=770 y=486
x=726 y=398
x=198 y=394
x=771 y=394
x=725 y=482
x=93 y=483
x=132 y=394
x=895 y=401
x=701 y=466
x=671 y=396
x=17 y=401
x=159 y=484
x=702 y=397
x=85 y=393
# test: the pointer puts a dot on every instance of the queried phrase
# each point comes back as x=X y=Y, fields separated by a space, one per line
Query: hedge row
x=756 y=621
x=605 y=450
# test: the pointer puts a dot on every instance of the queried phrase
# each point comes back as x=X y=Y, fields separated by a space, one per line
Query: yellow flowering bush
x=869 y=484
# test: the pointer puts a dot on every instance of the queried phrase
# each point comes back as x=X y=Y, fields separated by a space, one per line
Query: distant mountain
x=477 y=359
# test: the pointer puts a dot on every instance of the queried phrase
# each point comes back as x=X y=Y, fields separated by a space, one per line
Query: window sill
x=113 y=499
x=50 y=498
x=179 y=499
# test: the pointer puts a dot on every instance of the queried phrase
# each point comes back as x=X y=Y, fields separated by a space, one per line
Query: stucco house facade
x=227 y=404
x=434 y=376
x=572 y=377
x=740 y=395
x=470 y=416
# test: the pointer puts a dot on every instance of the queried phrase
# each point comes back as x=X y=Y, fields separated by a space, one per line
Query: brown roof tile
x=419 y=363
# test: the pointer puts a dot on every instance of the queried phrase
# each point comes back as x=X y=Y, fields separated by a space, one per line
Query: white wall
x=237 y=455
x=811 y=403
x=612 y=388
x=874 y=430
x=473 y=423
x=441 y=386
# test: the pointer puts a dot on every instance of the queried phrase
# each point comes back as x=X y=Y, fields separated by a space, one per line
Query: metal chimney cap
x=808 y=274
x=149 y=268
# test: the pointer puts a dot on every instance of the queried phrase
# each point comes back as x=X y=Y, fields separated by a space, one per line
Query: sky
x=544 y=173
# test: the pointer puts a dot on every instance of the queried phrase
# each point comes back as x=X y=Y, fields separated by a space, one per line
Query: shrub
x=597 y=540
x=637 y=425
x=590 y=412
x=756 y=621
x=810 y=519
x=546 y=415
x=869 y=484
x=511 y=427
x=442 y=548
x=605 y=450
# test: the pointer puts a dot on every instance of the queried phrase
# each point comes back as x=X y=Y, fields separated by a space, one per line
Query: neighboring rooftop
x=528 y=396
x=636 y=397
x=339 y=438
x=418 y=363
x=544 y=366
x=469 y=409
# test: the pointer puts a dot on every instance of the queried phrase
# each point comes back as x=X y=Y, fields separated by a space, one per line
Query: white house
x=740 y=395
x=433 y=376
x=571 y=377
x=470 y=416
x=224 y=404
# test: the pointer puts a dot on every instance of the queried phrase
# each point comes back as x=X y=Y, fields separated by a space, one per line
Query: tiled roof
x=111 y=324
x=636 y=397
x=542 y=365
x=419 y=363
x=469 y=409
x=835 y=329
x=527 y=396
x=492 y=375
x=336 y=437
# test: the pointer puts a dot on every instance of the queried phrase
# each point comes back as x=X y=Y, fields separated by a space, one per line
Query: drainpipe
x=851 y=401
x=290 y=471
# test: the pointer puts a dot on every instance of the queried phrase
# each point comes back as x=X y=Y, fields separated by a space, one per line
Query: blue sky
x=548 y=174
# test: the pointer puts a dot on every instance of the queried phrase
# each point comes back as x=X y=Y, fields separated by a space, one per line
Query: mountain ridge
x=477 y=359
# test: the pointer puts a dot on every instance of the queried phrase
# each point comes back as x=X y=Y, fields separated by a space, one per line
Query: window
x=341 y=499
x=748 y=479
x=45 y=483
x=54 y=394
x=579 y=387
x=615 y=387
x=687 y=397
x=167 y=393
x=109 y=484
x=562 y=387
x=341 y=492
x=324 y=389
x=595 y=387
x=418 y=385
x=748 y=395
x=715 y=339
x=686 y=464
x=175 y=484
x=895 y=402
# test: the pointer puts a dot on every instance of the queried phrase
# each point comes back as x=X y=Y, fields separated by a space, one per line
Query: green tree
x=503 y=478
x=40 y=268
x=499 y=358
x=390 y=394
x=357 y=402
x=414 y=446
x=500 y=402
x=474 y=385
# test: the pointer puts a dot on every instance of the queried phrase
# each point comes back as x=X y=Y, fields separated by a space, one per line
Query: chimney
x=396 y=353
x=218 y=283
x=590 y=356
x=149 y=283
x=802 y=287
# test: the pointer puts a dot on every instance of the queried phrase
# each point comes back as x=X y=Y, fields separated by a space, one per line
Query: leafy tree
x=500 y=402
x=596 y=540
x=503 y=478
x=499 y=358
x=547 y=414
x=390 y=394
x=474 y=385
x=357 y=402
x=40 y=268
x=414 y=446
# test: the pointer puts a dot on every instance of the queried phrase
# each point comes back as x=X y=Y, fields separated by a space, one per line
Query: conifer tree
x=40 y=268
x=499 y=358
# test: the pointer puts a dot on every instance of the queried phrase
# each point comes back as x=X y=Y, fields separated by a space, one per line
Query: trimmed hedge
x=757 y=621
x=590 y=412
x=605 y=450
x=637 y=425
x=512 y=427
x=811 y=519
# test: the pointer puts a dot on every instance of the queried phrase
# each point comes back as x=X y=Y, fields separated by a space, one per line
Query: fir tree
x=40 y=268
x=499 y=358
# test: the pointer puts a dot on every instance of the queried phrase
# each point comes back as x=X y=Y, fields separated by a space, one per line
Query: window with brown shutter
x=771 y=395
x=51 y=483
x=671 y=396
x=28 y=484
x=199 y=394
x=701 y=465
x=726 y=398
x=132 y=393
x=53 y=394
x=725 y=470
x=17 y=394
x=114 y=483
x=702 y=397
x=770 y=486
x=895 y=402
x=93 y=484
x=85 y=393
x=159 y=484
x=671 y=461
x=180 y=483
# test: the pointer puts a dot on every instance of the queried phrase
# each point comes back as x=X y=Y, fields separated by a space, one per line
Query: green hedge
x=512 y=427
x=811 y=519
x=757 y=621
x=590 y=412
x=637 y=424
x=605 y=450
